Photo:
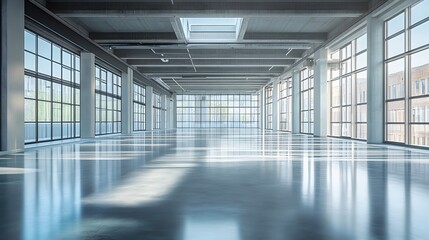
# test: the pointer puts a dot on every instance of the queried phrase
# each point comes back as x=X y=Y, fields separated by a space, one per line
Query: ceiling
x=150 y=35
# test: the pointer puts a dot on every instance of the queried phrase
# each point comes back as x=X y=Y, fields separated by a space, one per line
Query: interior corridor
x=227 y=184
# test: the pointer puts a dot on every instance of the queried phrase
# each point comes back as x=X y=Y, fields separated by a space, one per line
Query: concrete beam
x=295 y=36
x=205 y=8
x=162 y=71
x=211 y=62
x=133 y=37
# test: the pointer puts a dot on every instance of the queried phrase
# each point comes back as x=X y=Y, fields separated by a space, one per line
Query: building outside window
x=51 y=90
x=307 y=101
x=157 y=108
x=107 y=101
x=139 y=105
x=269 y=107
x=347 y=88
x=216 y=111
x=407 y=76
x=285 y=103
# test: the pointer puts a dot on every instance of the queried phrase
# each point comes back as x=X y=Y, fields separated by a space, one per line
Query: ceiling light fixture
x=271 y=68
x=165 y=60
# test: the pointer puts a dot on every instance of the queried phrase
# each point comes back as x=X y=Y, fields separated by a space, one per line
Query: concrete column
x=320 y=88
x=127 y=102
x=163 y=116
x=375 y=126
x=173 y=110
x=296 y=111
x=12 y=75
x=149 y=108
x=87 y=95
x=263 y=113
x=275 y=105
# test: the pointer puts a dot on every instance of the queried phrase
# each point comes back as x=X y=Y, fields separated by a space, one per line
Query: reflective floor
x=215 y=184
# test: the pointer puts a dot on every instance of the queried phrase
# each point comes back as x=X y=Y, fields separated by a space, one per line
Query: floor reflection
x=215 y=184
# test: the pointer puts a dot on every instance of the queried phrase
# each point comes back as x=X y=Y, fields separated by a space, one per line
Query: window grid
x=348 y=91
x=157 y=108
x=108 y=102
x=51 y=90
x=407 y=76
x=307 y=101
x=139 y=107
x=285 y=103
x=269 y=106
x=217 y=111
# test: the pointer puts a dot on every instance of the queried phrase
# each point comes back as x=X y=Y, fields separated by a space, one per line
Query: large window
x=107 y=102
x=139 y=107
x=348 y=90
x=285 y=103
x=216 y=111
x=407 y=76
x=269 y=106
x=157 y=108
x=307 y=101
x=52 y=90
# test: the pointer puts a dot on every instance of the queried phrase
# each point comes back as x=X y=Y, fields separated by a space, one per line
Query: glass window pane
x=30 y=41
x=419 y=11
x=420 y=135
x=361 y=43
x=396 y=112
x=396 y=133
x=396 y=24
x=30 y=61
x=396 y=46
x=43 y=48
x=395 y=79
x=419 y=35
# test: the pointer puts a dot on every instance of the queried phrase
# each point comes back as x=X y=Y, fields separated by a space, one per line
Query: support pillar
x=320 y=88
x=375 y=126
x=12 y=75
x=87 y=95
x=296 y=111
x=173 y=110
x=275 y=105
x=263 y=113
x=149 y=108
x=127 y=102
x=163 y=120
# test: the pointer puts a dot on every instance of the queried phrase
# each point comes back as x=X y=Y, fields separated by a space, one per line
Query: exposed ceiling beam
x=212 y=62
x=205 y=8
x=211 y=54
x=161 y=71
x=178 y=29
x=289 y=45
x=133 y=37
x=287 y=36
x=243 y=28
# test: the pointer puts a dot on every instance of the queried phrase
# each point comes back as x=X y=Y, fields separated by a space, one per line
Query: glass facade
x=216 y=111
x=107 y=102
x=307 y=101
x=347 y=88
x=285 y=104
x=157 y=108
x=269 y=107
x=407 y=76
x=51 y=90
x=139 y=105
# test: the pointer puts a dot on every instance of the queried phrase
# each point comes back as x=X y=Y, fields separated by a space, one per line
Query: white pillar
x=296 y=111
x=263 y=113
x=149 y=108
x=173 y=110
x=87 y=95
x=163 y=116
x=12 y=75
x=275 y=105
x=375 y=127
x=127 y=102
x=320 y=88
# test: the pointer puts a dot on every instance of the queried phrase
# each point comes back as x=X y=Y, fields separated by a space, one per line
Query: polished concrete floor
x=215 y=184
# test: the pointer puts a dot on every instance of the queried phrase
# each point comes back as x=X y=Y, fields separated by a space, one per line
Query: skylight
x=211 y=29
